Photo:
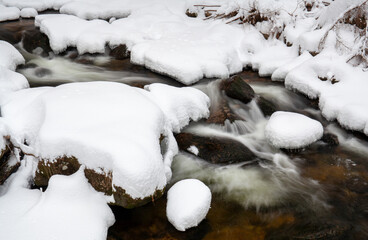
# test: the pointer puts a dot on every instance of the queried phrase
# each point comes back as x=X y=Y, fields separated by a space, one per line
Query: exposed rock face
x=221 y=113
x=267 y=107
x=236 y=87
x=120 y=52
x=33 y=39
x=215 y=149
x=6 y=169
x=102 y=182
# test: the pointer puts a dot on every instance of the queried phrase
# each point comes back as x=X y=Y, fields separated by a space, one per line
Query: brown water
x=316 y=193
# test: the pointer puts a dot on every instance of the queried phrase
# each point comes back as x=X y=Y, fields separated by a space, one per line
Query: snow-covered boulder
x=292 y=130
x=69 y=209
x=122 y=134
x=28 y=13
x=9 y=57
x=188 y=202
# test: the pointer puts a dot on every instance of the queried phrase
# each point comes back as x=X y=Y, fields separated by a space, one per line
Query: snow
x=188 y=202
x=193 y=149
x=8 y=13
x=28 y=13
x=69 y=209
x=292 y=130
x=10 y=57
x=107 y=127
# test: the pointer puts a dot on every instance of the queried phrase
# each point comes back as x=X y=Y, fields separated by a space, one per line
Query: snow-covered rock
x=292 y=130
x=9 y=57
x=69 y=209
x=188 y=202
x=28 y=13
x=8 y=13
x=113 y=129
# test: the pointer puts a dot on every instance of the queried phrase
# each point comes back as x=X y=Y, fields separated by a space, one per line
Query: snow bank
x=9 y=80
x=8 y=13
x=292 y=130
x=188 y=202
x=69 y=209
x=159 y=35
x=10 y=57
x=28 y=13
x=107 y=127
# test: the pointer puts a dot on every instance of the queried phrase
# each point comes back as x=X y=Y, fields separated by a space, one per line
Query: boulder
x=237 y=88
x=33 y=39
x=267 y=107
x=215 y=150
x=120 y=52
x=101 y=181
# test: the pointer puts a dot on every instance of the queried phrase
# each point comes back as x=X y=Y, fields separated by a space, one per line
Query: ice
x=8 y=13
x=188 y=202
x=292 y=130
x=69 y=209
x=28 y=13
x=108 y=126
x=9 y=57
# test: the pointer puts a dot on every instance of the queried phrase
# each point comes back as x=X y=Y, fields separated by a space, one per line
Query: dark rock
x=102 y=182
x=27 y=66
x=120 y=52
x=42 y=72
x=330 y=232
x=330 y=139
x=357 y=184
x=191 y=14
x=5 y=169
x=33 y=39
x=10 y=37
x=237 y=88
x=267 y=107
x=221 y=113
x=216 y=150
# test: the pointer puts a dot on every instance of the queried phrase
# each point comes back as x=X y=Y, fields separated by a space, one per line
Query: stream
x=320 y=192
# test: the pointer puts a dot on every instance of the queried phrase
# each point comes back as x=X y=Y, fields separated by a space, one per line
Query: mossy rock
x=102 y=182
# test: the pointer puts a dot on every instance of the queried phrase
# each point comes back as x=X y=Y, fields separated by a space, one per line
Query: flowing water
x=320 y=192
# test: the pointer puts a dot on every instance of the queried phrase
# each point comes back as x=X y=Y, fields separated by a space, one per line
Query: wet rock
x=6 y=169
x=10 y=37
x=42 y=72
x=216 y=150
x=237 y=88
x=330 y=232
x=330 y=139
x=102 y=182
x=267 y=107
x=221 y=113
x=27 y=66
x=191 y=14
x=33 y=39
x=357 y=184
x=120 y=52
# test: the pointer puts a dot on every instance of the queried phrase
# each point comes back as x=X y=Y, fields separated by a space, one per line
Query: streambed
x=320 y=192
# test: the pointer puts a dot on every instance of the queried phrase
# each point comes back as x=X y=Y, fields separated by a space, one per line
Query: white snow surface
x=193 y=149
x=107 y=127
x=292 y=130
x=9 y=57
x=69 y=209
x=28 y=13
x=188 y=202
x=8 y=13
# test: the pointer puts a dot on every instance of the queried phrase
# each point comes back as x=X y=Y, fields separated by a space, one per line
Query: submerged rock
x=237 y=88
x=330 y=139
x=120 y=52
x=33 y=39
x=217 y=150
x=221 y=113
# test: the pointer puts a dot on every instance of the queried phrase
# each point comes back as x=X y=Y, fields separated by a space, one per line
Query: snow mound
x=108 y=127
x=11 y=81
x=68 y=202
x=9 y=57
x=28 y=13
x=8 y=13
x=188 y=202
x=292 y=130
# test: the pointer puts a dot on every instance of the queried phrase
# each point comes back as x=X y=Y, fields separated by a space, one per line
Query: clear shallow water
x=318 y=193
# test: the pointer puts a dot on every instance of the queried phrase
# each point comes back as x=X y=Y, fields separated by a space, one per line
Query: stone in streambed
x=120 y=52
x=221 y=113
x=237 y=88
x=266 y=106
x=100 y=181
x=216 y=150
x=33 y=39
